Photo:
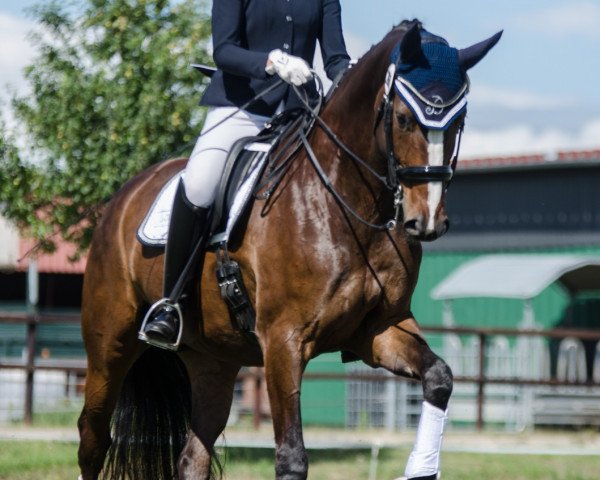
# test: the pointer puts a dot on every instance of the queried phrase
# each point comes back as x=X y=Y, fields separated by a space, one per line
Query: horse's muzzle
x=417 y=228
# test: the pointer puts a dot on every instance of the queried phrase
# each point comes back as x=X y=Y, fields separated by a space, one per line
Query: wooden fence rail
x=78 y=366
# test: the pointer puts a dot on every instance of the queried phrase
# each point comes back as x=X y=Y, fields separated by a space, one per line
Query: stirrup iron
x=157 y=343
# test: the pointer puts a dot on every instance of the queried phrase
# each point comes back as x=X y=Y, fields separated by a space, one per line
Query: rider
x=253 y=40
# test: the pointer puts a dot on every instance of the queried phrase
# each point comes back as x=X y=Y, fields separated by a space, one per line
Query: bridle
x=396 y=173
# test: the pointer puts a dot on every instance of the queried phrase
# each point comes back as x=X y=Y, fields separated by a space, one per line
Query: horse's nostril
x=446 y=225
x=412 y=224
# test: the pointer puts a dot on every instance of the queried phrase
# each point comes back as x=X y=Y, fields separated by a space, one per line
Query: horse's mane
x=374 y=62
x=391 y=38
x=407 y=24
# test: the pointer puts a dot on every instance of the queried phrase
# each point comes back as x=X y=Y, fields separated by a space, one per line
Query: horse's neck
x=351 y=114
x=354 y=99
x=352 y=107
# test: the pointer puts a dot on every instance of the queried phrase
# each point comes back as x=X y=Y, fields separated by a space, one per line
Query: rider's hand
x=291 y=69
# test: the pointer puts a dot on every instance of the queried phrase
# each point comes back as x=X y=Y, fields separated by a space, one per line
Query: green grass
x=467 y=466
x=66 y=418
x=25 y=460
x=253 y=464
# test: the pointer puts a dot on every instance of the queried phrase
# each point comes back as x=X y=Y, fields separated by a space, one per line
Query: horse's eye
x=403 y=121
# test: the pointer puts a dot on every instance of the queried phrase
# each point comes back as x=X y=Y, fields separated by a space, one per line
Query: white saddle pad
x=154 y=229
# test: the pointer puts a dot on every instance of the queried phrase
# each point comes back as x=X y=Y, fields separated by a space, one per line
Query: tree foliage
x=111 y=92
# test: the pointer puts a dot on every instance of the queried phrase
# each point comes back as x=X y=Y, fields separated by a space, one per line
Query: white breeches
x=207 y=161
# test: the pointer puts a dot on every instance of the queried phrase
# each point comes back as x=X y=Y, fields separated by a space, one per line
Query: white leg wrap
x=425 y=457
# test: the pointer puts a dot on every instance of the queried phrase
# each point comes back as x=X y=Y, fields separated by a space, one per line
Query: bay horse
x=320 y=277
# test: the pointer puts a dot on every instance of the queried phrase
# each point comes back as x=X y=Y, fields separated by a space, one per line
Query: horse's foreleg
x=401 y=349
x=284 y=365
x=212 y=385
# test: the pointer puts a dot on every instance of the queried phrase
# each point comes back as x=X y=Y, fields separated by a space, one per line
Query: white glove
x=291 y=69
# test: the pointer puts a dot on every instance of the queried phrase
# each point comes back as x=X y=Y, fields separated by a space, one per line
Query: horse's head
x=421 y=111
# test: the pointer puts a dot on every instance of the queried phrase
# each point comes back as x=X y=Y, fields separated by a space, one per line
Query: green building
x=530 y=206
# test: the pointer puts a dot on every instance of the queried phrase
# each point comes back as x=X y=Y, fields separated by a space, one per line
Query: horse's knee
x=292 y=463
x=437 y=384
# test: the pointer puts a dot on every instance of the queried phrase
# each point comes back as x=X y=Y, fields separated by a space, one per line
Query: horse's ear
x=410 y=46
x=470 y=56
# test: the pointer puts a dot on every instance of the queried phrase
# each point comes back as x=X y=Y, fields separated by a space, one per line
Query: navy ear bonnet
x=431 y=82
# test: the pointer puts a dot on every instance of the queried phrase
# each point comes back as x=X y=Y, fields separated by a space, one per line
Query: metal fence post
x=32 y=321
x=390 y=405
x=481 y=381
x=30 y=368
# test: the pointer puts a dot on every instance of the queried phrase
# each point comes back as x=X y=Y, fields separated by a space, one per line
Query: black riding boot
x=186 y=241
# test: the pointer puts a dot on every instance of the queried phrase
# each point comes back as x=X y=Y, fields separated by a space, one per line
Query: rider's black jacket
x=245 y=31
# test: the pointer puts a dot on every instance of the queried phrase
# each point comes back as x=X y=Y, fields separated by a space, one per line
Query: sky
x=535 y=92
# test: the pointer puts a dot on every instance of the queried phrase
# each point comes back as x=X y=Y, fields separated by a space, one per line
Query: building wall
x=9 y=241
x=59 y=291
x=522 y=209
x=558 y=199
x=322 y=400
x=521 y=205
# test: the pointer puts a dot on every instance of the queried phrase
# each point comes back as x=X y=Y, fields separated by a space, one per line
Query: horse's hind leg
x=401 y=349
x=212 y=385
x=111 y=349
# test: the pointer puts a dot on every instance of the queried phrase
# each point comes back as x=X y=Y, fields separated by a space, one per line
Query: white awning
x=519 y=276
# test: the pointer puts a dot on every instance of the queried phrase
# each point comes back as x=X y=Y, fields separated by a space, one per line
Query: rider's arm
x=229 y=55
x=228 y=20
x=331 y=40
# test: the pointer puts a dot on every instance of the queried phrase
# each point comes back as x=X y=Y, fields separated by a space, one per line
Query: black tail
x=151 y=419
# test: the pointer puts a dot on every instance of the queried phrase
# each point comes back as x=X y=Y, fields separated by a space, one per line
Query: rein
x=256 y=97
x=395 y=174
x=277 y=167
x=388 y=225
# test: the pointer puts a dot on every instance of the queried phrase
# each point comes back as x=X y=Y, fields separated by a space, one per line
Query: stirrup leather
x=157 y=343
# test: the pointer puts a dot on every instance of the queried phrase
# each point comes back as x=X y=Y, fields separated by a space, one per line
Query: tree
x=112 y=92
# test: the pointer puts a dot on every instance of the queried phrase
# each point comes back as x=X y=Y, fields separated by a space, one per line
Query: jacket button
x=286 y=46
x=288 y=18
